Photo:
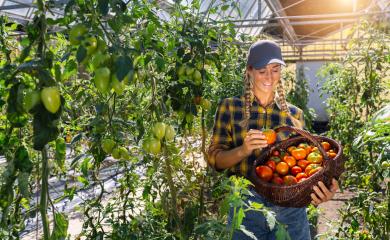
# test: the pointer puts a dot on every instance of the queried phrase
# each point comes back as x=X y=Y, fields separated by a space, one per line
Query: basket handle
x=307 y=135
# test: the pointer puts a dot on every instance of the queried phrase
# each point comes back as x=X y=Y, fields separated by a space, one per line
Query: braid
x=281 y=98
x=248 y=94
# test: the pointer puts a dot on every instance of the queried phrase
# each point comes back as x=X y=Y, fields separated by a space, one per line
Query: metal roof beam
x=277 y=8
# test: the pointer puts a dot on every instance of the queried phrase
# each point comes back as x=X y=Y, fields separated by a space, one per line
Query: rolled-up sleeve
x=221 y=139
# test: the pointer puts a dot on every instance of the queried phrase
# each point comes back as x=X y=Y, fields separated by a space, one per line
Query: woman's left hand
x=322 y=193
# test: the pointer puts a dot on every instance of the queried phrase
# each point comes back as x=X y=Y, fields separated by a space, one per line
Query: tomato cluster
x=293 y=165
x=160 y=131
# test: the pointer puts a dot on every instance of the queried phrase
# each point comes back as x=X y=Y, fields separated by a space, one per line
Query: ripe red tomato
x=271 y=164
x=295 y=170
x=298 y=153
x=277 y=180
x=300 y=175
x=275 y=153
x=290 y=160
x=264 y=172
x=315 y=157
x=282 y=168
x=325 y=145
x=303 y=163
x=289 y=180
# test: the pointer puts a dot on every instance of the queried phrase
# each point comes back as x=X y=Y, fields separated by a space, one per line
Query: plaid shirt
x=228 y=134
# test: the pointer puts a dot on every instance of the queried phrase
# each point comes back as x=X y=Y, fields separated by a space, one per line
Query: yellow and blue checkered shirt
x=228 y=134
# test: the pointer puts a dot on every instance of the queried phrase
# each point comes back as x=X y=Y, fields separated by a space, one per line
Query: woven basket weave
x=298 y=195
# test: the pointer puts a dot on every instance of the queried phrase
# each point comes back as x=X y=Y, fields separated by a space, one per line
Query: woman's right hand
x=254 y=139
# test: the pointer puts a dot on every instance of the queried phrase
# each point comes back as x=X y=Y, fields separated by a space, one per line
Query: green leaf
x=281 y=233
x=160 y=62
x=60 y=229
x=84 y=166
x=60 y=153
x=248 y=233
x=22 y=160
x=123 y=66
x=83 y=180
x=81 y=53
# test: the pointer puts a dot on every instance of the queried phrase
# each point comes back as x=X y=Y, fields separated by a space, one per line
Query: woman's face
x=265 y=79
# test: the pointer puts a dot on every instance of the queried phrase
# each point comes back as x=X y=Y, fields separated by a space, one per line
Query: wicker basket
x=298 y=195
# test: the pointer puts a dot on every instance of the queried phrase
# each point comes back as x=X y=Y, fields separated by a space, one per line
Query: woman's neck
x=264 y=98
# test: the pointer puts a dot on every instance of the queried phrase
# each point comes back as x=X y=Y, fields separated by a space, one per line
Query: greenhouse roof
x=296 y=24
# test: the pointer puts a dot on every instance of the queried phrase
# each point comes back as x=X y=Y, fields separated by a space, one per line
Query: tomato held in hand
x=282 y=168
x=289 y=180
x=270 y=136
x=264 y=172
x=298 y=153
x=295 y=170
x=290 y=160
x=315 y=157
x=50 y=96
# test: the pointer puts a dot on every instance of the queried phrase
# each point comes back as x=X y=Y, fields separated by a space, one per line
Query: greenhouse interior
x=195 y=119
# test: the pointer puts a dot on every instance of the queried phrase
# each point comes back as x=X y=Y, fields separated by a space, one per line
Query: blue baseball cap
x=264 y=52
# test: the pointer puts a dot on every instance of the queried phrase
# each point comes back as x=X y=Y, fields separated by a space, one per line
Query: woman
x=237 y=138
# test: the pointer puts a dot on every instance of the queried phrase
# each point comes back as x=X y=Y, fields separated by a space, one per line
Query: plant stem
x=44 y=191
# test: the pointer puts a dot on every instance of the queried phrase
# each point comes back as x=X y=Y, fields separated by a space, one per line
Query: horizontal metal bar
x=13 y=7
x=320 y=16
x=317 y=22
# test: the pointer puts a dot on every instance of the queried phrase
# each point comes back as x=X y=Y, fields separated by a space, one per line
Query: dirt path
x=329 y=213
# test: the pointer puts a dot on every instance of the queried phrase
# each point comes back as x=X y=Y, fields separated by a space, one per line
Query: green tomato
x=189 y=71
x=385 y=164
x=76 y=32
x=146 y=145
x=118 y=86
x=102 y=79
x=108 y=145
x=90 y=44
x=116 y=153
x=31 y=99
x=155 y=146
x=197 y=76
x=124 y=153
x=159 y=130
x=205 y=104
x=169 y=133
x=189 y=117
x=181 y=71
x=51 y=99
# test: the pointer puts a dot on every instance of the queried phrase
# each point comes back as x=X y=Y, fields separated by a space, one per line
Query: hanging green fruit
x=51 y=99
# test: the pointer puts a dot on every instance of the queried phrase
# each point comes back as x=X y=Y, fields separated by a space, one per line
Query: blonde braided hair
x=248 y=94
x=281 y=99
